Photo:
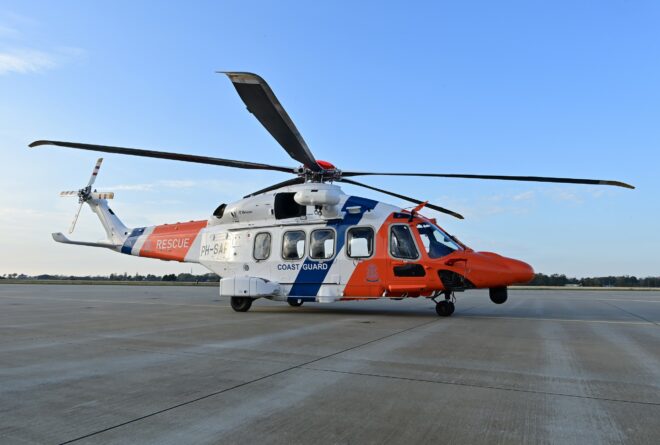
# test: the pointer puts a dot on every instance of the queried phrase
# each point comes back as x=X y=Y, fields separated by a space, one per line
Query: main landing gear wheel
x=444 y=308
x=241 y=304
x=295 y=303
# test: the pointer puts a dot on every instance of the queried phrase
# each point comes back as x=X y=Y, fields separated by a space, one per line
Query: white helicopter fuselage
x=316 y=270
x=312 y=243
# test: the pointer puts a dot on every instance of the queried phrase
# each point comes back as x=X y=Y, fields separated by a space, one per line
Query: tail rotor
x=86 y=193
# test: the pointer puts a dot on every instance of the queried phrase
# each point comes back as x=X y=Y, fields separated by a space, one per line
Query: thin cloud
x=565 y=195
x=213 y=185
x=132 y=187
x=24 y=61
x=18 y=56
x=182 y=183
x=164 y=184
x=524 y=196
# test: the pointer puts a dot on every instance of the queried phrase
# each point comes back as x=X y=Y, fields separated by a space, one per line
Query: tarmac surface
x=173 y=365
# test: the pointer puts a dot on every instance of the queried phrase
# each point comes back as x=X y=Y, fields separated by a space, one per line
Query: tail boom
x=170 y=242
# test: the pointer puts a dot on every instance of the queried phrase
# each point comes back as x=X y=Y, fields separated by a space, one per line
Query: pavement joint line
x=200 y=354
x=240 y=385
x=570 y=320
x=472 y=385
x=618 y=299
x=633 y=314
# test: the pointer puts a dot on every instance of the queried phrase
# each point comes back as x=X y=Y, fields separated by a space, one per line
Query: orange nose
x=521 y=272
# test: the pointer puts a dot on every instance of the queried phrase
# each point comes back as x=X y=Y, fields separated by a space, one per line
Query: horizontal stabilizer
x=60 y=238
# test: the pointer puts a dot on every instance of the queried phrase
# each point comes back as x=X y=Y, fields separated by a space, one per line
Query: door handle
x=453 y=261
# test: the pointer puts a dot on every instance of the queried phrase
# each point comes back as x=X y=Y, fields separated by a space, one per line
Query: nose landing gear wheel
x=444 y=308
x=295 y=303
x=241 y=304
x=498 y=295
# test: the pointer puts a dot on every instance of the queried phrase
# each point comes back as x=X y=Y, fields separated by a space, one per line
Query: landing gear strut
x=445 y=308
x=241 y=304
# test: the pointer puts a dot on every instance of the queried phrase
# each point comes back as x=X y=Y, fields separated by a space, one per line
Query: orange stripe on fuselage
x=172 y=241
x=373 y=277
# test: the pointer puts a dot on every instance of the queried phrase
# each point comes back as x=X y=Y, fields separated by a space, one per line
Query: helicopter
x=305 y=240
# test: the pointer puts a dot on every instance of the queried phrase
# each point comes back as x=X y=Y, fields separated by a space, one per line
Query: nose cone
x=521 y=272
x=488 y=269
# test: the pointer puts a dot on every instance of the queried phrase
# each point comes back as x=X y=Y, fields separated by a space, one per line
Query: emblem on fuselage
x=372 y=274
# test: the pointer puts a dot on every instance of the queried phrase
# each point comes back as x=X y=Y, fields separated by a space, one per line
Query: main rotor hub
x=328 y=173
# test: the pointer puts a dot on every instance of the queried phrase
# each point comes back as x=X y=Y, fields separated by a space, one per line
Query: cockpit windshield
x=436 y=242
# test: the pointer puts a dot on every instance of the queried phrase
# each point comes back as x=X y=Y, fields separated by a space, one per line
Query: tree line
x=182 y=277
x=541 y=279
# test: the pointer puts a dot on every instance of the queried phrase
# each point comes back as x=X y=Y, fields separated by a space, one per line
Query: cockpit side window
x=293 y=245
x=436 y=243
x=402 y=244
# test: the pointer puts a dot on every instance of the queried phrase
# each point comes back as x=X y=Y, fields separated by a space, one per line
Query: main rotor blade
x=167 y=155
x=95 y=172
x=500 y=177
x=286 y=183
x=406 y=198
x=262 y=102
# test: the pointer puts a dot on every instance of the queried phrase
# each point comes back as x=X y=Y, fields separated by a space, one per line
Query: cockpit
x=437 y=243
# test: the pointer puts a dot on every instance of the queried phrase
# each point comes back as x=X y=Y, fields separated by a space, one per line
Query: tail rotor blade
x=75 y=218
x=69 y=193
x=103 y=195
x=95 y=172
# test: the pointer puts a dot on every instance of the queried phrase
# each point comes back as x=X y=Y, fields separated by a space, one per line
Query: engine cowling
x=324 y=195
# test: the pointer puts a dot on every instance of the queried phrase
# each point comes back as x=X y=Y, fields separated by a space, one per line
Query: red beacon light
x=325 y=165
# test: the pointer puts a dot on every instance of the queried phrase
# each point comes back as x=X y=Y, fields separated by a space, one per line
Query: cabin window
x=293 y=245
x=287 y=207
x=436 y=242
x=220 y=211
x=262 y=246
x=360 y=242
x=402 y=244
x=322 y=244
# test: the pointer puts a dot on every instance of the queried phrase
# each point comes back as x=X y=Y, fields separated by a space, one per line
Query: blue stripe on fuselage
x=131 y=240
x=309 y=279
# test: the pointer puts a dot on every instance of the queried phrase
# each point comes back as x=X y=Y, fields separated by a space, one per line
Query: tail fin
x=115 y=230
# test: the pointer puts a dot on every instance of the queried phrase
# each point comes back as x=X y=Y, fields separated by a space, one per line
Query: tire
x=444 y=308
x=295 y=302
x=241 y=304
x=498 y=295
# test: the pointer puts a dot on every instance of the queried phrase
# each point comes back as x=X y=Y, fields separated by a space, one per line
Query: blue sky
x=559 y=88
